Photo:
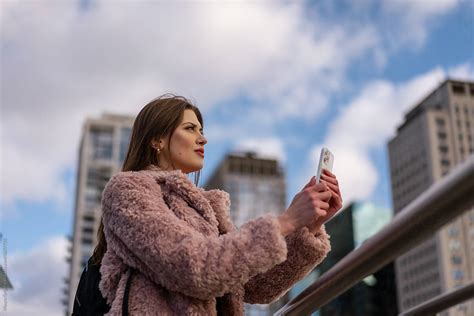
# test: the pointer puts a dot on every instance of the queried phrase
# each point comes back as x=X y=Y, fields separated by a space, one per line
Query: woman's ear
x=158 y=144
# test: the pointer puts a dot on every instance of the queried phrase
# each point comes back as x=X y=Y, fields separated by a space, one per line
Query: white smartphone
x=326 y=160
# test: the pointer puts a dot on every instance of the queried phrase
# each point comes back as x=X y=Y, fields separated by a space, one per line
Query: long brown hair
x=158 y=119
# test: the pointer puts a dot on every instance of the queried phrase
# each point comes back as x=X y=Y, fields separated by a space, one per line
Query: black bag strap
x=127 y=292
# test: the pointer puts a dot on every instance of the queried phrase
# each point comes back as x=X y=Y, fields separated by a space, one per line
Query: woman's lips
x=200 y=153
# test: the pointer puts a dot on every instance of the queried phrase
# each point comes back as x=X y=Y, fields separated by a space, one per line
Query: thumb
x=311 y=182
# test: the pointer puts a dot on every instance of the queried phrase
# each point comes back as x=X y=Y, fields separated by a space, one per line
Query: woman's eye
x=192 y=129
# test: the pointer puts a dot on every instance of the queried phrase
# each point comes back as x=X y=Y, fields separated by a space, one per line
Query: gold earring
x=155 y=147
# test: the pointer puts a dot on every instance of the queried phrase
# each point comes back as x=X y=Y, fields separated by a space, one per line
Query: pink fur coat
x=191 y=260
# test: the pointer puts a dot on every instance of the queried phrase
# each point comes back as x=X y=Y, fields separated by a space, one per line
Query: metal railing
x=437 y=206
x=439 y=303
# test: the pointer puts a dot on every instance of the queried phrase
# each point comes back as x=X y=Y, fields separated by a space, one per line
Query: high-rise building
x=4 y=280
x=436 y=135
x=256 y=186
x=5 y=283
x=376 y=294
x=102 y=151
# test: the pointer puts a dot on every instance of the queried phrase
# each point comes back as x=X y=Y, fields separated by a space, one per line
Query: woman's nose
x=202 y=140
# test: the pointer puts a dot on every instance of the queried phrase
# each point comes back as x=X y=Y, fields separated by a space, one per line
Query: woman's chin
x=194 y=168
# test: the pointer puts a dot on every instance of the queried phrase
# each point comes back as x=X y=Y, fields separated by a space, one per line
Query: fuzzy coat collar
x=213 y=205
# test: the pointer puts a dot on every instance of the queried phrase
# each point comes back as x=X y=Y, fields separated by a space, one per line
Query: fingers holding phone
x=335 y=203
x=324 y=175
x=317 y=202
x=331 y=181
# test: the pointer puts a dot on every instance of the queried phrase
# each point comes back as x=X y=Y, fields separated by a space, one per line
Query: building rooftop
x=420 y=106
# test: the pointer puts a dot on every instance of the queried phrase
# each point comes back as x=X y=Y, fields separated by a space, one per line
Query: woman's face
x=186 y=149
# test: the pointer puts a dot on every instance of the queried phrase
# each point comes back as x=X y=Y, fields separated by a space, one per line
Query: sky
x=281 y=78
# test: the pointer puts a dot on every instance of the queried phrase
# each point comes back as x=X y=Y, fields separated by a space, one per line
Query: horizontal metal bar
x=441 y=302
x=437 y=206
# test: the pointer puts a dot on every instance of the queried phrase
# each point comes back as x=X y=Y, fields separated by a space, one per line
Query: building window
x=453 y=231
x=88 y=218
x=443 y=149
x=125 y=133
x=440 y=122
x=454 y=245
x=458 y=275
x=458 y=89
x=462 y=307
x=471 y=220
x=442 y=135
x=87 y=230
x=93 y=197
x=98 y=177
x=86 y=241
x=102 y=143
x=445 y=162
x=87 y=249
x=96 y=180
x=456 y=259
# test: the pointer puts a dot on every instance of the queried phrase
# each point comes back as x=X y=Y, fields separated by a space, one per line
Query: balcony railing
x=437 y=206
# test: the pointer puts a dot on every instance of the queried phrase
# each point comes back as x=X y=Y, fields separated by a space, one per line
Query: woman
x=188 y=256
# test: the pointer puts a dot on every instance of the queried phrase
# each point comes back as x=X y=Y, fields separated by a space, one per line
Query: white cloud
x=265 y=147
x=370 y=118
x=365 y=125
x=422 y=8
x=462 y=72
x=412 y=19
x=314 y=68
x=36 y=276
x=63 y=65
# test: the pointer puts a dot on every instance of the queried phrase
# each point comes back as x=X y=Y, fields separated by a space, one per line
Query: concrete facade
x=437 y=135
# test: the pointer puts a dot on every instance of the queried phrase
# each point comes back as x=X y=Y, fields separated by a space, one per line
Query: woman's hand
x=335 y=202
x=308 y=206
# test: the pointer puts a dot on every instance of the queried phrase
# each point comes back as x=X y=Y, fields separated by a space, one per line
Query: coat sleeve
x=305 y=251
x=146 y=234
